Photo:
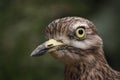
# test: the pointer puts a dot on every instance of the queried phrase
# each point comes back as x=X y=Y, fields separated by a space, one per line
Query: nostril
x=50 y=45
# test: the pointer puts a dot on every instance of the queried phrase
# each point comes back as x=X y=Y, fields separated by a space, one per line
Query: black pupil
x=80 y=31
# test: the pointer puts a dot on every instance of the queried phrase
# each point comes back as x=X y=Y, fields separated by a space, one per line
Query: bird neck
x=89 y=69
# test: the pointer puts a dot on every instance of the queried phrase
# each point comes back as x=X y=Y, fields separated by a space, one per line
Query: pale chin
x=65 y=56
x=57 y=55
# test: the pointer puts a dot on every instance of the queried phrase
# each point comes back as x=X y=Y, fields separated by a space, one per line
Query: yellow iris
x=80 y=33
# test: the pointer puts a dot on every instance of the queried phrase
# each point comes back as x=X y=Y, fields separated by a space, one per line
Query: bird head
x=70 y=39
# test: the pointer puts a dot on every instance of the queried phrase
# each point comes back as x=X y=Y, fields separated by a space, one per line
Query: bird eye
x=80 y=33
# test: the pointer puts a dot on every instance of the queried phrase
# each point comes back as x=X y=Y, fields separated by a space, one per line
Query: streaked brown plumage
x=75 y=41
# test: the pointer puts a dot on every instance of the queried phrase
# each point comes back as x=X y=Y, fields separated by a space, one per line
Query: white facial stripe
x=80 y=44
x=86 y=44
x=78 y=24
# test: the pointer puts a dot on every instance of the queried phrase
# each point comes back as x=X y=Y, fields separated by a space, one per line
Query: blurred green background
x=22 y=25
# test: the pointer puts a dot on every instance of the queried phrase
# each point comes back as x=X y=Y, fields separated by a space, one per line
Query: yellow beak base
x=47 y=46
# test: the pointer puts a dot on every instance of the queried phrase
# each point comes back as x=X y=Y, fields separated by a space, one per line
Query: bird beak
x=48 y=46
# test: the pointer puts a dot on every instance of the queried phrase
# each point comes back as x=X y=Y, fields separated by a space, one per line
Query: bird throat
x=84 y=70
x=77 y=71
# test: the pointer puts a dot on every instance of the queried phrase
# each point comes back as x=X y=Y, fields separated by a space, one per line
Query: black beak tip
x=38 y=51
x=36 y=54
x=32 y=54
